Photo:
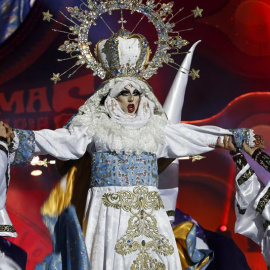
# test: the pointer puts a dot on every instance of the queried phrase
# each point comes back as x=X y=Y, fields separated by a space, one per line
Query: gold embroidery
x=7 y=228
x=245 y=177
x=263 y=202
x=140 y=203
x=170 y=213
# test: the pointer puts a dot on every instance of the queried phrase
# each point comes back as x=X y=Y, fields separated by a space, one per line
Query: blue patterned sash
x=112 y=169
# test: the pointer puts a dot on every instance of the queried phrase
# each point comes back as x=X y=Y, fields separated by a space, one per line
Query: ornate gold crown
x=123 y=54
x=113 y=57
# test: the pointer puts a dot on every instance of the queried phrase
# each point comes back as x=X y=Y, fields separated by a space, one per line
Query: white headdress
x=124 y=56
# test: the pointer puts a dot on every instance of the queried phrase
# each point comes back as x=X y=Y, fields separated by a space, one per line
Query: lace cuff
x=24 y=147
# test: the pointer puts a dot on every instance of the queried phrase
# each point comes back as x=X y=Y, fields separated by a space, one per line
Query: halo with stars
x=85 y=16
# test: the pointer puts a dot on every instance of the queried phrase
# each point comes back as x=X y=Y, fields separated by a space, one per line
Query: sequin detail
x=240 y=161
x=112 y=169
x=7 y=228
x=141 y=203
x=69 y=249
x=26 y=148
x=243 y=178
x=241 y=135
x=263 y=201
x=262 y=158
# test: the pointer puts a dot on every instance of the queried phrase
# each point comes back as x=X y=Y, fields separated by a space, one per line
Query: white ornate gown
x=125 y=224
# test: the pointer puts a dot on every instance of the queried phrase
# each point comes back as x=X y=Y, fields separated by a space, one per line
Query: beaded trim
x=243 y=178
x=262 y=158
x=263 y=201
x=240 y=161
x=25 y=151
x=112 y=169
x=7 y=228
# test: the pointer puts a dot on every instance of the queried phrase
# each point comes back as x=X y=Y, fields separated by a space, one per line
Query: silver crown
x=123 y=54
x=84 y=17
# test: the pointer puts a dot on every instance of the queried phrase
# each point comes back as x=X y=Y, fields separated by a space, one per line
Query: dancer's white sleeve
x=187 y=140
x=62 y=143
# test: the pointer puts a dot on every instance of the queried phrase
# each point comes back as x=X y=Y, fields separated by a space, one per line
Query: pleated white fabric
x=7 y=263
x=104 y=226
x=250 y=223
x=6 y=227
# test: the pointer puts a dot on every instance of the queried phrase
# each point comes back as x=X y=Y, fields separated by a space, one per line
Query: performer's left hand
x=9 y=133
x=259 y=143
x=3 y=132
x=227 y=143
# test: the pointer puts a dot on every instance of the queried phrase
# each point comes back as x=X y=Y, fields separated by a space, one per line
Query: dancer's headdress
x=124 y=53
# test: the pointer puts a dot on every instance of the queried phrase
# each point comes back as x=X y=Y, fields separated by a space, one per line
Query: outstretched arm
x=62 y=143
x=188 y=140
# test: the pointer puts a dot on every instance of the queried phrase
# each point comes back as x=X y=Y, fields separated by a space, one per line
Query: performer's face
x=129 y=99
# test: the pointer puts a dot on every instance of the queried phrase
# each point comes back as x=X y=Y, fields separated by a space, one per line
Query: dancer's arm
x=62 y=143
x=187 y=140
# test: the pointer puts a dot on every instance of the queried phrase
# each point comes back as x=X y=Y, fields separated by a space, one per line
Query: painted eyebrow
x=124 y=92
x=127 y=91
x=137 y=92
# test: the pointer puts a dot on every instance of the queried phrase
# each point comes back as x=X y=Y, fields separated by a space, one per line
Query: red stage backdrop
x=233 y=91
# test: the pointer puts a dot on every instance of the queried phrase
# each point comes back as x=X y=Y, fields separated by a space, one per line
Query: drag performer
x=122 y=131
x=124 y=137
x=252 y=197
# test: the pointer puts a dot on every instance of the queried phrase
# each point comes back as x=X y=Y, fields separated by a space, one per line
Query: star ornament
x=196 y=158
x=47 y=16
x=56 y=78
x=197 y=12
x=194 y=74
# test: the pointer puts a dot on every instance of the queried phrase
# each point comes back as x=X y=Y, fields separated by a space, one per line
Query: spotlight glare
x=34 y=161
x=36 y=173
x=223 y=228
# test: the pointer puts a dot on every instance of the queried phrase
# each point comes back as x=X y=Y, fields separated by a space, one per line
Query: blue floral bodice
x=112 y=169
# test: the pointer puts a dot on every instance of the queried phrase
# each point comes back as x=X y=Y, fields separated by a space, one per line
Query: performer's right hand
x=227 y=143
x=3 y=132
x=9 y=132
x=259 y=143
